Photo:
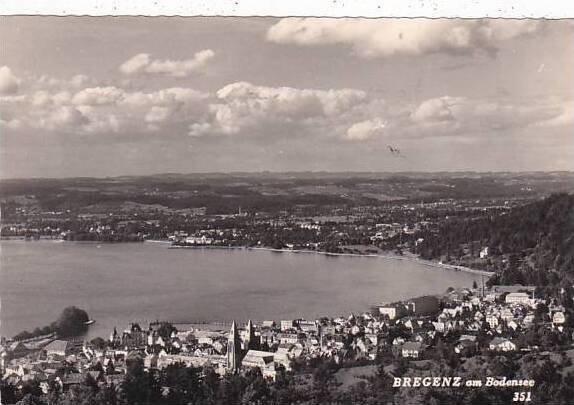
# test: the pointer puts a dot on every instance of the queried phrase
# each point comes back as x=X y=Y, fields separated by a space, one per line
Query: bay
x=122 y=283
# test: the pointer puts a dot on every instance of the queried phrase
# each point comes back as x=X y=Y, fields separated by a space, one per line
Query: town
x=461 y=324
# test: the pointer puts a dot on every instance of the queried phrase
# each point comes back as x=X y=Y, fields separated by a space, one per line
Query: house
x=465 y=347
x=290 y=338
x=286 y=325
x=268 y=324
x=58 y=348
x=492 y=320
x=16 y=350
x=501 y=344
x=558 y=318
x=517 y=298
x=412 y=349
x=308 y=326
x=392 y=311
x=265 y=361
x=72 y=379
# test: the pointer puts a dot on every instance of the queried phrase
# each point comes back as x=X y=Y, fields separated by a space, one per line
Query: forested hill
x=531 y=244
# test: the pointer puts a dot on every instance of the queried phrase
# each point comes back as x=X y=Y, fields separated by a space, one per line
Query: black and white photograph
x=286 y=210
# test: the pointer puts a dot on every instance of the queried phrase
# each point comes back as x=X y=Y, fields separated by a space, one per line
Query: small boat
x=91 y=321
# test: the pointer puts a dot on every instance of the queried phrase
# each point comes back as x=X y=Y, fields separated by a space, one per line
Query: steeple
x=250 y=341
x=233 y=349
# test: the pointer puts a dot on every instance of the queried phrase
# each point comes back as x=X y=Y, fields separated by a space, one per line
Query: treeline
x=531 y=244
x=79 y=236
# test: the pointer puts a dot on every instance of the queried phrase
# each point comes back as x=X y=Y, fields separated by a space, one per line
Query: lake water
x=121 y=283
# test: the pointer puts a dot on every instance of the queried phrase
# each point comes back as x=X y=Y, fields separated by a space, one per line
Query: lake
x=121 y=283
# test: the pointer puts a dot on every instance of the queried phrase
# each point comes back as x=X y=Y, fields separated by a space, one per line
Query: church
x=242 y=352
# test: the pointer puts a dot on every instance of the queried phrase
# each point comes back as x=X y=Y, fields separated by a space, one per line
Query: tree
x=138 y=385
x=72 y=322
x=7 y=392
x=99 y=343
x=165 y=330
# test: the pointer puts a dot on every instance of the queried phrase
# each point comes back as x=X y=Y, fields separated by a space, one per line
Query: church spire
x=233 y=347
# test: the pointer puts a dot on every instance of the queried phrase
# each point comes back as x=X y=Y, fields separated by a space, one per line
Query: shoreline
x=407 y=257
x=386 y=256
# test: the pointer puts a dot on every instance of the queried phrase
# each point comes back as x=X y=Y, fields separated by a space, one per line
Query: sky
x=110 y=96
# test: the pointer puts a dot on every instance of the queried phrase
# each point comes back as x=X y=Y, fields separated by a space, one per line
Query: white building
x=518 y=298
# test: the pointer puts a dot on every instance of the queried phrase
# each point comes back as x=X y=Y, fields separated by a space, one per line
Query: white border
x=282 y=8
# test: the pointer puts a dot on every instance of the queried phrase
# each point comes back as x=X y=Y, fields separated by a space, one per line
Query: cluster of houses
x=481 y=321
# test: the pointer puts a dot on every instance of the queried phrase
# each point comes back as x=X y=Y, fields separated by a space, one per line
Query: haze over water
x=122 y=283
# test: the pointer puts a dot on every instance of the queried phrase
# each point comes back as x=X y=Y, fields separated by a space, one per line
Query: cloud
x=564 y=118
x=143 y=63
x=437 y=109
x=364 y=130
x=267 y=114
x=157 y=114
x=242 y=107
x=9 y=83
x=62 y=118
x=370 y=38
x=10 y=123
x=460 y=115
x=101 y=110
x=98 y=96
x=169 y=96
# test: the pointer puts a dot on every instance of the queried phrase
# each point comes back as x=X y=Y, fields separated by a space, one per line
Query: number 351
x=522 y=397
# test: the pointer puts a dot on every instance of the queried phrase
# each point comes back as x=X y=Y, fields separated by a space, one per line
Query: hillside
x=531 y=244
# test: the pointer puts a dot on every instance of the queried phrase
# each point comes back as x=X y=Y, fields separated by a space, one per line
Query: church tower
x=250 y=340
x=233 y=349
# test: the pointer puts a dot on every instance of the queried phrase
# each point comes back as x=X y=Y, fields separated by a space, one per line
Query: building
x=15 y=350
x=287 y=325
x=412 y=349
x=265 y=361
x=233 y=349
x=308 y=326
x=501 y=344
x=392 y=311
x=558 y=318
x=58 y=348
x=250 y=340
x=517 y=298
x=426 y=305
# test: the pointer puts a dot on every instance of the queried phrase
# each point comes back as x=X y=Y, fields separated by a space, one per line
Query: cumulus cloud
x=9 y=83
x=62 y=118
x=243 y=109
x=169 y=96
x=461 y=115
x=437 y=109
x=98 y=96
x=103 y=110
x=371 y=38
x=143 y=63
x=244 y=105
x=364 y=130
x=45 y=82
